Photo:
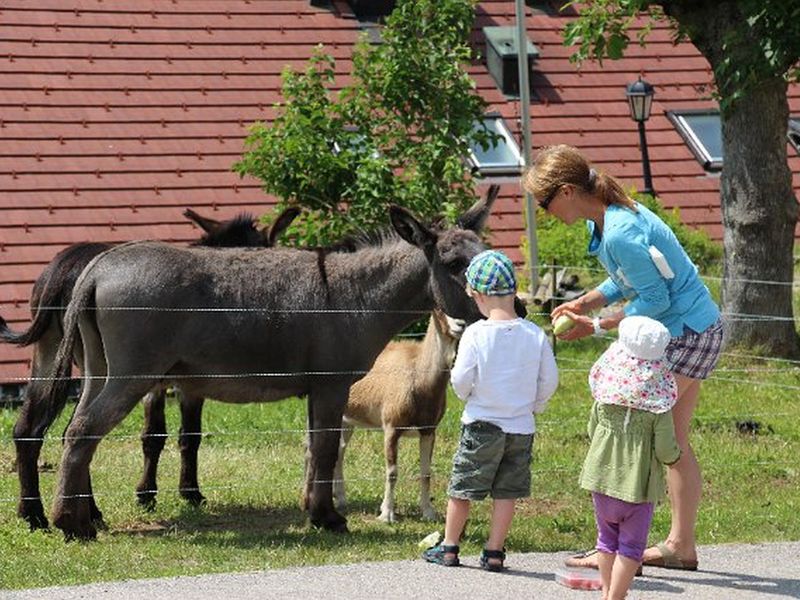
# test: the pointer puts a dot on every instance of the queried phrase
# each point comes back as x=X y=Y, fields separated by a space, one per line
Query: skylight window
x=702 y=132
x=502 y=159
x=794 y=133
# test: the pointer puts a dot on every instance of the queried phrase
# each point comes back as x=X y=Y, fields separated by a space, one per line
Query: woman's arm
x=581 y=306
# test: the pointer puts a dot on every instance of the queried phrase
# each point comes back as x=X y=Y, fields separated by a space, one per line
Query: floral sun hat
x=632 y=372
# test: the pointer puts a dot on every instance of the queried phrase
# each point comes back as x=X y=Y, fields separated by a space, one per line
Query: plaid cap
x=491 y=273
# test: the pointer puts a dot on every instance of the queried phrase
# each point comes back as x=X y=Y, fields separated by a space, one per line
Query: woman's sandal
x=670 y=560
x=439 y=555
x=489 y=560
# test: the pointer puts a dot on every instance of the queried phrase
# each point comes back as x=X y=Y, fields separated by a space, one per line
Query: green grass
x=251 y=471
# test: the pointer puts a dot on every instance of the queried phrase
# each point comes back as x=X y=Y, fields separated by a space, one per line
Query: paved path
x=730 y=572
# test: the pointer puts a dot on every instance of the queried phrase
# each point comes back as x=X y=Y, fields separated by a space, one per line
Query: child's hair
x=558 y=165
x=491 y=273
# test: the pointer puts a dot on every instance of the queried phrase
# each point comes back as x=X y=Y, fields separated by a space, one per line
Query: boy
x=504 y=372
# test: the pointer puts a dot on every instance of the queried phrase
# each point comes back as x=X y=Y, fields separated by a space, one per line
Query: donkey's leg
x=93 y=419
x=35 y=418
x=426 y=441
x=391 y=438
x=308 y=475
x=328 y=398
x=154 y=436
x=32 y=423
x=339 y=495
x=189 y=441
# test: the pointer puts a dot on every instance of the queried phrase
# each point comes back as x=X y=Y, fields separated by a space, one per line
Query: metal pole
x=648 y=179
x=525 y=104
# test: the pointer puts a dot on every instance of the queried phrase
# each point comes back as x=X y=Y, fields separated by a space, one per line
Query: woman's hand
x=583 y=326
x=580 y=306
x=576 y=307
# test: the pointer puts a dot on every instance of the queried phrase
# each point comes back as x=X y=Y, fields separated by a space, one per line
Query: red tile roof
x=116 y=115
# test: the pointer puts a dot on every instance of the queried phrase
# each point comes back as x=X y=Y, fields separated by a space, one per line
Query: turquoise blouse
x=626 y=249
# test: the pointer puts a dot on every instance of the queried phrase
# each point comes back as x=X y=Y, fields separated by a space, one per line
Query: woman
x=647 y=267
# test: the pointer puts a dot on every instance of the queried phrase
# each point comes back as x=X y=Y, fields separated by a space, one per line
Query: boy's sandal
x=492 y=560
x=439 y=555
x=670 y=560
x=588 y=560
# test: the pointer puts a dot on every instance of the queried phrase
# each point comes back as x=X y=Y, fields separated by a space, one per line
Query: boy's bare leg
x=605 y=562
x=621 y=577
x=502 y=515
x=457 y=513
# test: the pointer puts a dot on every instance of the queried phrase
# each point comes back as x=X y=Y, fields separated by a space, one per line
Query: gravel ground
x=728 y=572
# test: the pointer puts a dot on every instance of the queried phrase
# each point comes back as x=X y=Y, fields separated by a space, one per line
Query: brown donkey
x=405 y=393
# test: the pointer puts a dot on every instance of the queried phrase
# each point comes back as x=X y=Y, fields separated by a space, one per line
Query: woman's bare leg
x=683 y=478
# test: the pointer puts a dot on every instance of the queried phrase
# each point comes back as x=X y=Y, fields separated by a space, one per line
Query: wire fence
x=572 y=365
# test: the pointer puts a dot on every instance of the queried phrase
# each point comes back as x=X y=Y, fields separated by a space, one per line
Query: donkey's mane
x=376 y=238
x=359 y=241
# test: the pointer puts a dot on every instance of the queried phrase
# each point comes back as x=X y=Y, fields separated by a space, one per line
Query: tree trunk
x=759 y=212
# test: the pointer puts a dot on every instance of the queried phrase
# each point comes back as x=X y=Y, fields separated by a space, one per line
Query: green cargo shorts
x=491 y=462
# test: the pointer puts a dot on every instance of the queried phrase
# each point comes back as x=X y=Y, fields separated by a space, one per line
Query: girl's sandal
x=492 y=560
x=442 y=554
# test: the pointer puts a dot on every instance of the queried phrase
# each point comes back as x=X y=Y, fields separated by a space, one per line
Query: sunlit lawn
x=747 y=437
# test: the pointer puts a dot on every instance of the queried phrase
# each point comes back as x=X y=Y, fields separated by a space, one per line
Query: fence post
x=553 y=292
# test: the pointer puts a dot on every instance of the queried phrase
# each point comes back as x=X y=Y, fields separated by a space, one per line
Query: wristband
x=598 y=331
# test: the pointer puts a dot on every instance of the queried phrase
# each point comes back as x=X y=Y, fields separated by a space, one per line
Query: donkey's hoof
x=333 y=521
x=96 y=517
x=76 y=531
x=33 y=514
x=147 y=500
x=387 y=516
x=194 y=497
x=429 y=514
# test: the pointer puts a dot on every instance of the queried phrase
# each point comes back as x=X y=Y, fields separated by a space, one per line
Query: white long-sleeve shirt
x=505 y=372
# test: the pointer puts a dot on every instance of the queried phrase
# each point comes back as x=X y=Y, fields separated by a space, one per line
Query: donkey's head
x=448 y=253
x=241 y=231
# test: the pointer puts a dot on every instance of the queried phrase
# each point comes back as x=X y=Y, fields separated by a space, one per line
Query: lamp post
x=640 y=98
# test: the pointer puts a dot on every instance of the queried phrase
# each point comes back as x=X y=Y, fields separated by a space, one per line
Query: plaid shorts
x=696 y=354
x=491 y=462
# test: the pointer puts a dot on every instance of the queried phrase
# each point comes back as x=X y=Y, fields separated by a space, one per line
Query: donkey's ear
x=410 y=229
x=476 y=216
x=281 y=223
x=206 y=224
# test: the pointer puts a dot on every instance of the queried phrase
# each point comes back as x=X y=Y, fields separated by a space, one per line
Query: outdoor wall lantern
x=640 y=98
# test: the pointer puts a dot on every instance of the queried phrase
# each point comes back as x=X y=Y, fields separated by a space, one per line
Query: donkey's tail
x=46 y=297
x=56 y=391
x=12 y=337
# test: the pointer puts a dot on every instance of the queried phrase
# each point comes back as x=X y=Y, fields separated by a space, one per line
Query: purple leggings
x=622 y=527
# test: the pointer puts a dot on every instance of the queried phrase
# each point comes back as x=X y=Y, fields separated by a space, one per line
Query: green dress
x=627 y=452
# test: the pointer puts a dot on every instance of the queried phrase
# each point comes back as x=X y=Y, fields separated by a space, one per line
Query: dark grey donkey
x=249 y=326
x=53 y=288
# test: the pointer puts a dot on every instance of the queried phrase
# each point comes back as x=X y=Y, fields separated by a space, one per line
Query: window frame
x=498 y=169
x=696 y=145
